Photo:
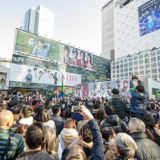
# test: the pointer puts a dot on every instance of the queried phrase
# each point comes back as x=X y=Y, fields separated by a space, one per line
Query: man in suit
x=82 y=62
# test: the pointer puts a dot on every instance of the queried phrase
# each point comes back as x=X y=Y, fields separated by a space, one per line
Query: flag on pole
x=62 y=82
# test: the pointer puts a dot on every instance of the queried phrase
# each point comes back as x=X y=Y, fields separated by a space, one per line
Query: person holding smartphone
x=139 y=99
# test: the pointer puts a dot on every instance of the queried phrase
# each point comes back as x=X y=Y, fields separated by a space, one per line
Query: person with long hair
x=89 y=61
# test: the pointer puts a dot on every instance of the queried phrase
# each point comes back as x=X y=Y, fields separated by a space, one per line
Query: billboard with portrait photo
x=78 y=90
x=149 y=17
x=81 y=90
x=124 y=88
x=78 y=58
x=101 y=89
x=31 y=74
x=37 y=46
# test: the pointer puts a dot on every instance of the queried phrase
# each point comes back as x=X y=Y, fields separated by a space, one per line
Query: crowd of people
x=33 y=127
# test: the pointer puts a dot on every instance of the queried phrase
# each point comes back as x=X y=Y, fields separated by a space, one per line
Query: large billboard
x=103 y=89
x=76 y=57
x=149 y=17
x=31 y=74
x=37 y=46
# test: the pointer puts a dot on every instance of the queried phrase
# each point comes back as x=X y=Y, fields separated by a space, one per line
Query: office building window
x=125 y=60
x=141 y=72
x=135 y=58
x=154 y=71
x=148 y=71
x=153 y=59
x=154 y=76
x=146 y=60
x=141 y=67
x=153 y=65
x=146 y=55
x=135 y=73
x=141 y=62
x=135 y=68
x=140 y=56
x=126 y=70
x=125 y=65
x=135 y=63
x=152 y=54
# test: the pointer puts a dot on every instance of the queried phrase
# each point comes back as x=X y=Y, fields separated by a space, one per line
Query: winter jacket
x=59 y=122
x=137 y=100
x=110 y=151
x=114 y=122
x=121 y=107
x=35 y=155
x=147 y=149
x=16 y=144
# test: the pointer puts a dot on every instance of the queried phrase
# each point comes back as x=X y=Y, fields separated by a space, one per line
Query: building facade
x=144 y=64
x=5 y=65
x=37 y=20
x=29 y=64
x=108 y=30
x=135 y=26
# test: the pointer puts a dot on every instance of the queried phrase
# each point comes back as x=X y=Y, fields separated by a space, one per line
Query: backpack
x=120 y=107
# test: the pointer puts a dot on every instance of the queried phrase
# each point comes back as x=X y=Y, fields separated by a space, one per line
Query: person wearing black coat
x=112 y=120
x=147 y=149
x=58 y=120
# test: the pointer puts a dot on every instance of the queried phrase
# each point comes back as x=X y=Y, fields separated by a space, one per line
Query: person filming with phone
x=139 y=99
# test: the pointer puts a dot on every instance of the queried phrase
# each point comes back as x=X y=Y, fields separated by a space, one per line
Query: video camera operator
x=139 y=99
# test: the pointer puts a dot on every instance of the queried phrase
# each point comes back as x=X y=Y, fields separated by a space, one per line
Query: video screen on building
x=76 y=57
x=36 y=46
x=149 y=17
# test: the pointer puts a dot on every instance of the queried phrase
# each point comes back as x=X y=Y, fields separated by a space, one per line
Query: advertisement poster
x=30 y=74
x=66 y=90
x=124 y=88
x=149 y=17
x=36 y=46
x=81 y=90
x=101 y=89
x=76 y=57
x=78 y=90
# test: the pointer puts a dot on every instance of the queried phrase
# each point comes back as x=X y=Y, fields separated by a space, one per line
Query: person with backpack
x=11 y=144
x=119 y=104
x=139 y=99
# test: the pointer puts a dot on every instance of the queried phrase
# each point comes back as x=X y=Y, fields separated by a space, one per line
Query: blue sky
x=77 y=22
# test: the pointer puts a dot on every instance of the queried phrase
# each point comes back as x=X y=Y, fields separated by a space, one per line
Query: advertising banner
x=66 y=90
x=149 y=17
x=31 y=74
x=76 y=57
x=36 y=46
x=26 y=60
x=124 y=88
x=103 y=89
x=81 y=90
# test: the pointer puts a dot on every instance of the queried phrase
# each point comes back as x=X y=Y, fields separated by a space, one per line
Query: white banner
x=30 y=74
